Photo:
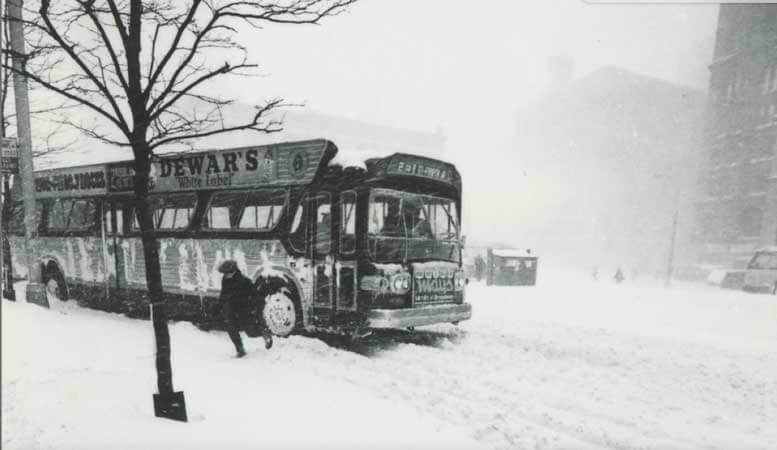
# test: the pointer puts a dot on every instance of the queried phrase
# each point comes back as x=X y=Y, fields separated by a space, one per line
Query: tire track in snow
x=452 y=375
x=495 y=409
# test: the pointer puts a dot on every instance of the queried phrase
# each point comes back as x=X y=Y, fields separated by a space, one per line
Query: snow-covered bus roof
x=288 y=163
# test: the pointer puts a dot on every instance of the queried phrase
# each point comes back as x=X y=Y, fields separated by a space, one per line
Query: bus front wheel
x=280 y=313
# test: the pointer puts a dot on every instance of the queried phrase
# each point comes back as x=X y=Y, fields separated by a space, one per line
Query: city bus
x=329 y=248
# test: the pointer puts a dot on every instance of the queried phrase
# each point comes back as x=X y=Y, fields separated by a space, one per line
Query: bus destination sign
x=9 y=156
x=413 y=166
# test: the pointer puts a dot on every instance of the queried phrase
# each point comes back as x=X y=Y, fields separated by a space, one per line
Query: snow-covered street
x=570 y=363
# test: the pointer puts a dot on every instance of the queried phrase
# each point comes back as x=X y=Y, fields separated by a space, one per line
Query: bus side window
x=57 y=214
x=82 y=215
x=170 y=212
x=323 y=223
x=298 y=236
x=223 y=211
x=118 y=211
x=107 y=223
x=113 y=211
x=347 y=222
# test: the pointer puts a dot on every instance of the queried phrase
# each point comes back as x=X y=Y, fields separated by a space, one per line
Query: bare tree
x=143 y=68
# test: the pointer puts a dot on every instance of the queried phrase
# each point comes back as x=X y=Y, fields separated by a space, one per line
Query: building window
x=755 y=178
x=749 y=221
x=774 y=79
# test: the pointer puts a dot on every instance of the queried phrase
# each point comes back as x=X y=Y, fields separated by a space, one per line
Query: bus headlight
x=375 y=283
x=400 y=283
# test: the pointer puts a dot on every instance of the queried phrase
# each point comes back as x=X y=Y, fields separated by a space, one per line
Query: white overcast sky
x=465 y=67
x=460 y=65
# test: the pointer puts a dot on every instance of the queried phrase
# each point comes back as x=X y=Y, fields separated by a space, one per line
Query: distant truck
x=761 y=272
x=511 y=267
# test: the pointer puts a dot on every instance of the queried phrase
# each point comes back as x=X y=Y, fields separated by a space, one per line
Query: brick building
x=737 y=186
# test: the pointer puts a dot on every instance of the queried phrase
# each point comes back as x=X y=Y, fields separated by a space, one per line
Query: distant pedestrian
x=619 y=276
x=480 y=267
x=237 y=296
x=595 y=273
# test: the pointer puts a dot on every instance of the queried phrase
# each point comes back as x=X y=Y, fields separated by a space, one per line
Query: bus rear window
x=255 y=210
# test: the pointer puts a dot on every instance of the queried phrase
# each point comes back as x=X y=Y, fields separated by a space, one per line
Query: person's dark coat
x=237 y=293
x=619 y=276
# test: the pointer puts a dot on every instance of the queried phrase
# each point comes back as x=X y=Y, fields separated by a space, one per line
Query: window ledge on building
x=708 y=199
x=725 y=58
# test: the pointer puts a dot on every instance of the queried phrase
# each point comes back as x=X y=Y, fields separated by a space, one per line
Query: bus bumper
x=416 y=317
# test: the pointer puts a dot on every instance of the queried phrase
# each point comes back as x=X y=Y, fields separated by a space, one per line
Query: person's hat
x=228 y=266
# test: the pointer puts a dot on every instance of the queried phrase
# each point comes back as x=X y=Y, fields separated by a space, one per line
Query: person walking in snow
x=619 y=276
x=237 y=295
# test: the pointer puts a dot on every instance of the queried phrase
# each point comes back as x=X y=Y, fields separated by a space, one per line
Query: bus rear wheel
x=280 y=313
x=55 y=285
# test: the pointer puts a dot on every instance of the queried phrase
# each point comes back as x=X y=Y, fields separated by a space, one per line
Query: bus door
x=345 y=263
x=322 y=259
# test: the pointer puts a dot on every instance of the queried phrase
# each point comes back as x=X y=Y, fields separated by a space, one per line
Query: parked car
x=761 y=273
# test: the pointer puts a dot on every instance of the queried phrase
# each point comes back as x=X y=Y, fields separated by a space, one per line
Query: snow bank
x=79 y=379
x=570 y=363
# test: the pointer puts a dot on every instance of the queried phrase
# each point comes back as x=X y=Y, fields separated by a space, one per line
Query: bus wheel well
x=50 y=272
x=267 y=286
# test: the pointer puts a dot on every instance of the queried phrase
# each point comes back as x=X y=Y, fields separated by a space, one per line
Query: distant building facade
x=621 y=149
x=737 y=186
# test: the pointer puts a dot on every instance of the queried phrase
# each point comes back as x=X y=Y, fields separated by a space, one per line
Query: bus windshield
x=406 y=226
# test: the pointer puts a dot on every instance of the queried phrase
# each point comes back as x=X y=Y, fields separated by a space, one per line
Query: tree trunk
x=153 y=275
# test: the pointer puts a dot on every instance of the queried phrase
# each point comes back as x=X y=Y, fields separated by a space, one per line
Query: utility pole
x=2 y=199
x=35 y=291
x=3 y=268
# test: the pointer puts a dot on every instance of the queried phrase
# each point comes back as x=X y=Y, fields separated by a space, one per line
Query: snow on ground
x=570 y=363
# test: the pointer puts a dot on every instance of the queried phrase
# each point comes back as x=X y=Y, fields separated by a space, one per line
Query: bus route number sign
x=10 y=156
